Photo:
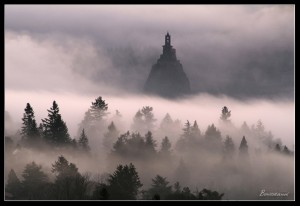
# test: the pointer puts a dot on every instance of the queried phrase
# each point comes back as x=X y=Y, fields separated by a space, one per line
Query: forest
x=151 y=160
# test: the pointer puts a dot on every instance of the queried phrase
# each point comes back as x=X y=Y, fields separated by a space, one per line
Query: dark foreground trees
x=124 y=183
x=55 y=130
x=29 y=132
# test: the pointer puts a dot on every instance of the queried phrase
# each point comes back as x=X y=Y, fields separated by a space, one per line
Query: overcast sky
x=237 y=50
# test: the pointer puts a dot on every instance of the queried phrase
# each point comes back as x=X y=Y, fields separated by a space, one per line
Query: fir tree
x=195 y=131
x=124 y=183
x=83 y=142
x=243 y=147
x=34 y=181
x=98 y=109
x=160 y=186
x=111 y=136
x=13 y=186
x=149 y=120
x=150 y=143
x=187 y=129
x=225 y=114
x=228 y=147
x=165 y=146
x=54 y=128
x=29 y=131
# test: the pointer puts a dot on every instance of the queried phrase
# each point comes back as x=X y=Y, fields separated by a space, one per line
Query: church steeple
x=168 y=39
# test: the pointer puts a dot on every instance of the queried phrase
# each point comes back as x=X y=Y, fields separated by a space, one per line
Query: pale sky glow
x=240 y=51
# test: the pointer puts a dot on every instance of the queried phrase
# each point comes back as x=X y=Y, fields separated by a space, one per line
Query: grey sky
x=236 y=50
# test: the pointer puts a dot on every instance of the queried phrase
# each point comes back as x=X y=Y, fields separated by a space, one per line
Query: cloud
x=241 y=51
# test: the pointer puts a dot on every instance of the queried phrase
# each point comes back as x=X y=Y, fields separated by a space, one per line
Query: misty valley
x=114 y=157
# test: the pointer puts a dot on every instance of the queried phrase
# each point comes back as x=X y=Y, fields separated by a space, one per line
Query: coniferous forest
x=172 y=160
x=110 y=102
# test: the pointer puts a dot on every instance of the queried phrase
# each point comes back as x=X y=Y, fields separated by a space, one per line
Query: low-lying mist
x=194 y=166
x=277 y=116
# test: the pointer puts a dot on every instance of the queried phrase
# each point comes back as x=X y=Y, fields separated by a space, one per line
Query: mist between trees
x=150 y=159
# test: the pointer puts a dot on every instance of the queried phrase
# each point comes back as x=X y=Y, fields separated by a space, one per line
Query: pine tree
x=165 y=146
x=243 y=147
x=225 y=114
x=138 y=122
x=13 y=186
x=187 y=129
x=260 y=128
x=212 y=133
x=160 y=186
x=83 y=142
x=34 y=181
x=29 y=131
x=98 y=109
x=195 y=131
x=149 y=120
x=120 y=146
x=111 y=136
x=150 y=143
x=228 y=147
x=86 y=122
x=54 y=128
x=124 y=183
x=69 y=183
x=245 y=128
x=166 y=122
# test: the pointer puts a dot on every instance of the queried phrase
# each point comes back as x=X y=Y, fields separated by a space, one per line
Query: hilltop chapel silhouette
x=167 y=78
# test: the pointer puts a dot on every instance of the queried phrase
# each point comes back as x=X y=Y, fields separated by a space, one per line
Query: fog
x=249 y=47
x=277 y=116
x=204 y=167
x=237 y=56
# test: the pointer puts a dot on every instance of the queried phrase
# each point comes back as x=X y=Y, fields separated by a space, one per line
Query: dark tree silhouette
x=195 y=131
x=225 y=114
x=160 y=186
x=54 y=128
x=206 y=194
x=124 y=183
x=212 y=133
x=98 y=109
x=69 y=183
x=29 y=131
x=150 y=144
x=63 y=168
x=187 y=129
x=83 y=142
x=101 y=192
x=243 y=149
x=34 y=182
x=13 y=187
